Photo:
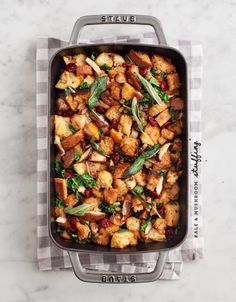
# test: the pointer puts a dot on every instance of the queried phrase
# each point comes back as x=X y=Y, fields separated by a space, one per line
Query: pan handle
x=117 y=19
x=103 y=277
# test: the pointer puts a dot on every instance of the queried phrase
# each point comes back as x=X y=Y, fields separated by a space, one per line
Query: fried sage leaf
x=149 y=88
x=79 y=210
x=98 y=86
x=140 y=161
x=136 y=114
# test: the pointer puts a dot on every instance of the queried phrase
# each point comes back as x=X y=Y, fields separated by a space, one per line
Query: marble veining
x=211 y=22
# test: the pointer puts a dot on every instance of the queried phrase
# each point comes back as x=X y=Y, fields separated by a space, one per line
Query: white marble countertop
x=211 y=22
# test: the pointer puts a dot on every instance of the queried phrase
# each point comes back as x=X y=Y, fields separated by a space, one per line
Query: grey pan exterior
x=55 y=66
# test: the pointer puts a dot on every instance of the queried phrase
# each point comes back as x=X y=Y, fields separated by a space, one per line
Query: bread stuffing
x=117 y=127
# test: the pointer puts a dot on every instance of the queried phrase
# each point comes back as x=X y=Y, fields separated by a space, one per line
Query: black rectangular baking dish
x=55 y=66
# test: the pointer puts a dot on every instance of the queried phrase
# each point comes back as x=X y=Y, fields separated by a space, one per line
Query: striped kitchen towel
x=52 y=258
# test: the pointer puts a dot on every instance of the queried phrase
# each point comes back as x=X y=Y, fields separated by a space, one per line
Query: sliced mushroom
x=57 y=142
x=159 y=185
x=85 y=155
x=98 y=119
x=97 y=157
x=94 y=215
x=163 y=150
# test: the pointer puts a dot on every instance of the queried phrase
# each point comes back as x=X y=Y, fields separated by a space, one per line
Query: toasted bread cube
x=92 y=130
x=154 y=235
x=172 y=213
x=140 y=58
x=140 y=178
x=160 y=225
x=116 y=136
x=73 y=140
x=79 y=121
x=80 y=168
x=113 y=112
x=104 y=58
x=61 y=188
x=64 y=235
x=115 y=71
x=84 y=70
x=104 y=179
x=59 y=212
x=62 y=126
x=103 y=237
x=68 y=158
x=110 y=195
x=94 y=201
x=173 y=81
x=167 y=134
x=162 y=64
x=163 y=117
x=132 y=79
x=177 y=103
x=115 y=91
x=118 y=60
x=120 y=169
x=172 y=177
x=80 y=59
x=151 y=135
x=83 y=230
x=161 y=140
x=121 y=240
x=129 y=146
x=157 y=108
x=128 y=92
x=107 y=145
x=72 y=102
x=89 y=79
x=71 y=200
x=69 y=79
x=125 y=125
x=121 y=187
x=152 y=182
x=133 y=224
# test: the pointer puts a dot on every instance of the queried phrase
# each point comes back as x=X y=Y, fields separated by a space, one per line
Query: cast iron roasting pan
x=55 y=66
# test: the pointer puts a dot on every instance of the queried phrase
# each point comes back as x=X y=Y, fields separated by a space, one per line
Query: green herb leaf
x=87 y=180
x=93 y=55
x=147 y=99
x=172 y=113
x=162 y=75
x=79 y=210
x=109 y=209
x=162 y=173
x=59 y=202
x=74 y=183
x=140 y=161
x=84 y=85
x=77 y=156
x=59 y=169
x=98 y=86
x=105 y=67
x=154 y=82
x=137 y=191
x=144 y=226
x=136 y=114
x=154 y=71
x=69 y=90
x=96 y=147
x=78 y=195
x=100 y=131
x=149 y=88
x=72 y=129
